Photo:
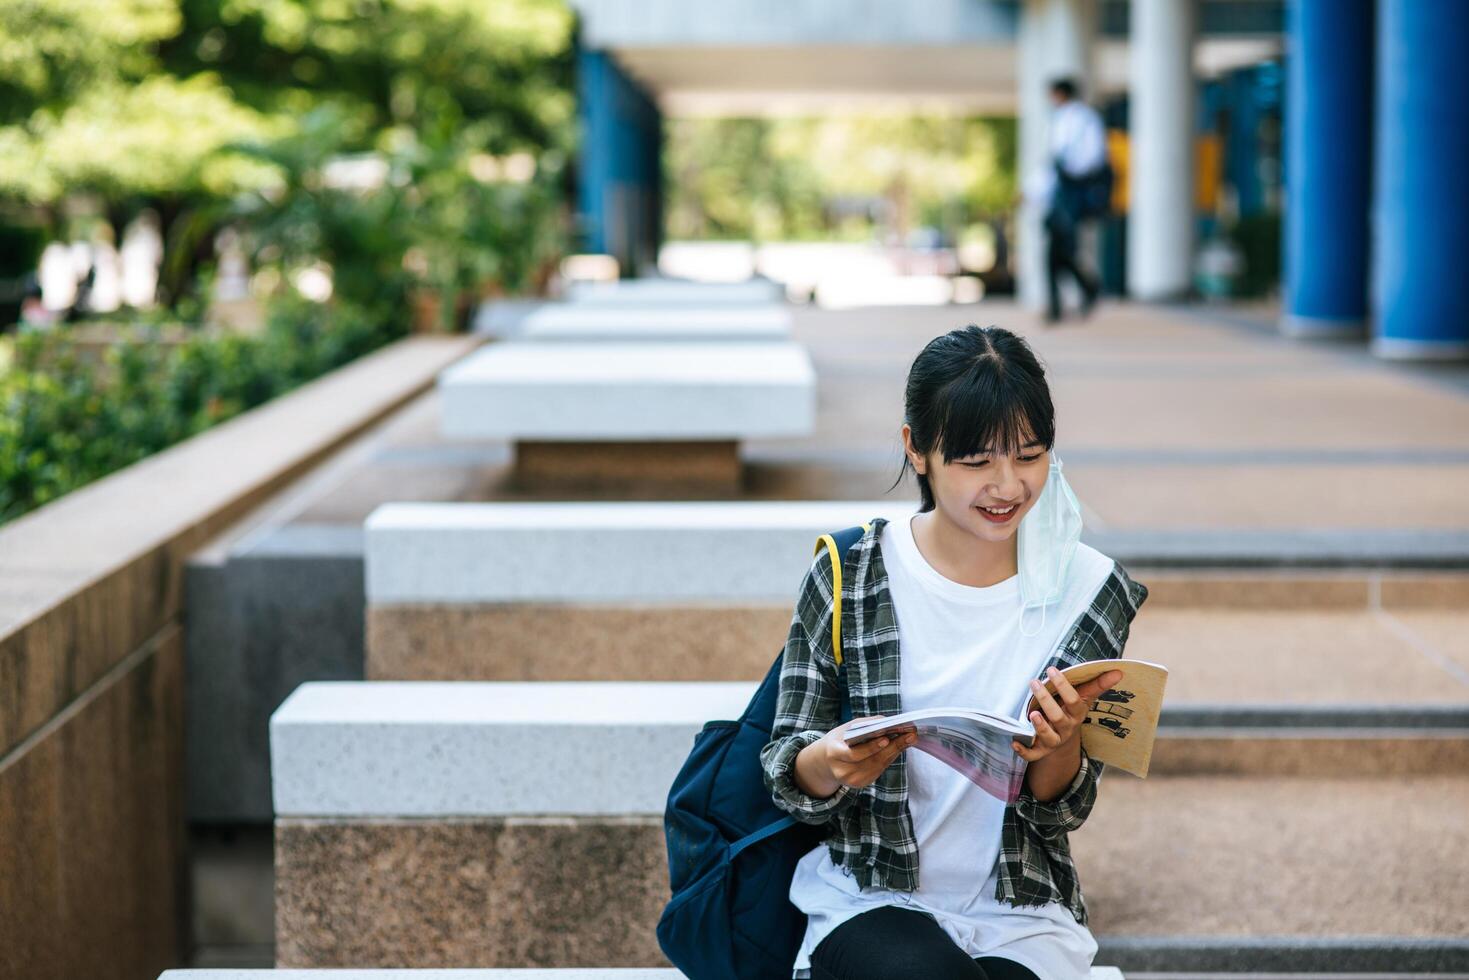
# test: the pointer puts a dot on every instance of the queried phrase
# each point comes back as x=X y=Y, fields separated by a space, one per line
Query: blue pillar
x=619 y=196
x=1420 y=286
x=1328 y=137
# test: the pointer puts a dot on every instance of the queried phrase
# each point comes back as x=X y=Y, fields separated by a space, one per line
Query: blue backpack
x=731 y=851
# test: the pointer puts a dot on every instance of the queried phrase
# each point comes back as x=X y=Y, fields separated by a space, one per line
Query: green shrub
x=65 y=421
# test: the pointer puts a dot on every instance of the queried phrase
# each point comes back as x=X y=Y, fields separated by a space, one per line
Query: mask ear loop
x=1039 y=629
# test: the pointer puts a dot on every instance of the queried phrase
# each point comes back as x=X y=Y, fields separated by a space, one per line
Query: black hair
x=1064 y=87
x=975 y=390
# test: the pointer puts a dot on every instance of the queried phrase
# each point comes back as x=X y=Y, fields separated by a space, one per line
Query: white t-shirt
x=960 y=645
x=1078 y=138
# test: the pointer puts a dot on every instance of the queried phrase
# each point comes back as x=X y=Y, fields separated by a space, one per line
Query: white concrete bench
x=574 y=322
x=382 y=749
x=630 y=414
x=515 y=824
x=601 y=552
x=630 y=392
x=582 y=591
x=676 y=292
x=504 y=821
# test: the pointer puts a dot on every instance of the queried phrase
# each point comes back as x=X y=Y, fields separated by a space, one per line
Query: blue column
x=619 y=194
x=1420 y=286
x=1328 y=126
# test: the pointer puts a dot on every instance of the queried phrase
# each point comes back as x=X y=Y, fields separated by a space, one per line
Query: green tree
x=796 y=177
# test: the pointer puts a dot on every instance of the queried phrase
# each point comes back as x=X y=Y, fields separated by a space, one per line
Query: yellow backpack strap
x=830 y=544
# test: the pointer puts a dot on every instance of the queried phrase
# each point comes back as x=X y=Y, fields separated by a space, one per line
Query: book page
x=975 y=744
x=978 y=753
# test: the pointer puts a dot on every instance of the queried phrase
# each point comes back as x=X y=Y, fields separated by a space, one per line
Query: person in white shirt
x=1073 y=187
x=968 y=601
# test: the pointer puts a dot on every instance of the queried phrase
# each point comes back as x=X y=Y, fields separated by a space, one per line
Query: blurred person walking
x=1075 y=187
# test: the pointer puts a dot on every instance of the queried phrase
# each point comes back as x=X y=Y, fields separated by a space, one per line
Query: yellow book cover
x=1121 y=726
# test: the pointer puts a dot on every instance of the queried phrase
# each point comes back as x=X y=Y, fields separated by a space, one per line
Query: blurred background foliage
x=72 y=415
x=837 y=177
x=412 y=153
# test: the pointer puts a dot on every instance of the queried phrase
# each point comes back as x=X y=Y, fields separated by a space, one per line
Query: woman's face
x=967 y=490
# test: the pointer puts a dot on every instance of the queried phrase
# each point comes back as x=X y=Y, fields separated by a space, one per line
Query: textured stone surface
x=89 y=578
x=484 y=748
x=263 y=620
x=629 y=467
x=630 y=392
x=1321 y=753
x=1238 y=590
x=1442 y=591
x=1438 y=634
x=1217 y=658
x=519 y=892
x=536 y=642
x=1277 y=857
x=1299 y=656
x=1303 y=589
x=663 y=552
x=1206 y=858
x=91 y=703
x=91 y=829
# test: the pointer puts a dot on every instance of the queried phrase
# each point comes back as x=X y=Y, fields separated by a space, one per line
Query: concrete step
x=1297 y=872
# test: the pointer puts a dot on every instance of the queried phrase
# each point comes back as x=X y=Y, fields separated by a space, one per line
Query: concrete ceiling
x=748 y=80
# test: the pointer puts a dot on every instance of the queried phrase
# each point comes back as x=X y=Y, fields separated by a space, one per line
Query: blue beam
x=620 y=181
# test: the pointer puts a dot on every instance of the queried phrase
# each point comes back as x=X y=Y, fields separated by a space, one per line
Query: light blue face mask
x=1048 y=534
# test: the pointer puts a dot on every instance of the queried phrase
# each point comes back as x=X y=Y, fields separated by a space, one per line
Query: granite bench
x=439 y=824
x=442 y=824
x=519 y=825
x=583 y=591
x=630 y=415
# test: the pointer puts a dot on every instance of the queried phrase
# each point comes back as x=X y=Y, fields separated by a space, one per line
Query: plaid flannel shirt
x=872 y=835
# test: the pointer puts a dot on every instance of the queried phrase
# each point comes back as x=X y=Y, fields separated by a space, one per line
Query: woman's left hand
x=1059 y=721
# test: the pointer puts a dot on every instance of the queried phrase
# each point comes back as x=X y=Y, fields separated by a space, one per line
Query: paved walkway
x=1168 y=420
x=1193 y=429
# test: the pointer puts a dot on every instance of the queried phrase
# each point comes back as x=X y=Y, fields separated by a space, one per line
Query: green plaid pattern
x=872 y=834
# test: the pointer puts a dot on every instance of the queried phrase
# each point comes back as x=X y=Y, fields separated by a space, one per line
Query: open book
x=1118 y=730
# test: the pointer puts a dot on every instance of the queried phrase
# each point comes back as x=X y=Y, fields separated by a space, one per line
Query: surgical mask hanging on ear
x=1048 y=534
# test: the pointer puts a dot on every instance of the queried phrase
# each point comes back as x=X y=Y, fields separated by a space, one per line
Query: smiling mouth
x=998 y=514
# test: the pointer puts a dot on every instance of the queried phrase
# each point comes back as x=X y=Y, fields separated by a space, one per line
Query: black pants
x=892 y=943
x=1062 y=230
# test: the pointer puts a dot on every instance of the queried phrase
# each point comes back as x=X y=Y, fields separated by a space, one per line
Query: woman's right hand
x=829 y=763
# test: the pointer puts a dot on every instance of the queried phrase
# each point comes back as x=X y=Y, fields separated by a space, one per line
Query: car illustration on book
x=1112 y=725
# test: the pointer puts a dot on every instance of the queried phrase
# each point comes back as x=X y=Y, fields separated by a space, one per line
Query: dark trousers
x=893 y=943
x=1062 y=229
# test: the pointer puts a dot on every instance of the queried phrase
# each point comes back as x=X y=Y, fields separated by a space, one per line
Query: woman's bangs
x=985 y=414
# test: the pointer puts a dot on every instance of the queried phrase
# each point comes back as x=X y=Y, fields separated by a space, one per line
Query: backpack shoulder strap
x=837 y=544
